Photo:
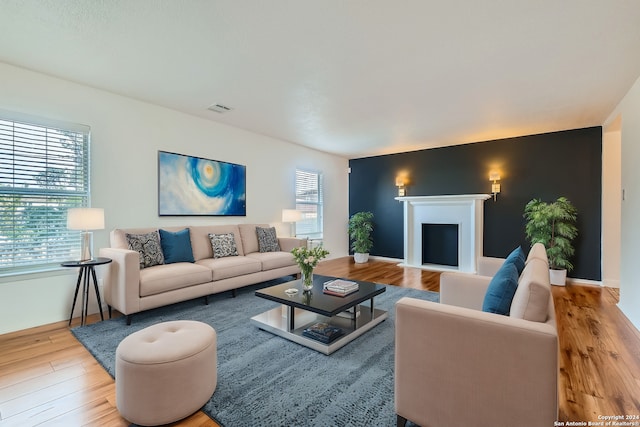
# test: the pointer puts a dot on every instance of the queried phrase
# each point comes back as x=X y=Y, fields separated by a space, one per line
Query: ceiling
x=350 y=77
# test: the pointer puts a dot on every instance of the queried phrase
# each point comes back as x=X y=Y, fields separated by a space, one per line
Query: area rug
x=268 y=381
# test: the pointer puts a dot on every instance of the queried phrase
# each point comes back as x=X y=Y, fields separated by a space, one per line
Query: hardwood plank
x=599 y=359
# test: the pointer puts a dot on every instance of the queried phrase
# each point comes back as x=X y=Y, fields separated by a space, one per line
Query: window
x=309 y=202
x=44 y=170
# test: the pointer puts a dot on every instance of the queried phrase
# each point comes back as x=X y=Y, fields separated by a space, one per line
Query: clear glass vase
x=307 y=280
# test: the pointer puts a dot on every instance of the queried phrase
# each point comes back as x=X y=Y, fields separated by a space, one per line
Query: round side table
x=87 y=269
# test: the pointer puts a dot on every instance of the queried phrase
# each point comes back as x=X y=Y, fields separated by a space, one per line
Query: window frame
x=302 y=226
x=44 y=170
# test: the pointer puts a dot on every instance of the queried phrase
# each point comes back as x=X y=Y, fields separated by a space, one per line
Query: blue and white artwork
x=194 y=186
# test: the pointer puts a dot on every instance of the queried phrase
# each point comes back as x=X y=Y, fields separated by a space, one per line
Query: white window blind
x=44 y=170
x=309 y=202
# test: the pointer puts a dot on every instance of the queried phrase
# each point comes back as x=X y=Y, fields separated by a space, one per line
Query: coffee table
x=307 y=308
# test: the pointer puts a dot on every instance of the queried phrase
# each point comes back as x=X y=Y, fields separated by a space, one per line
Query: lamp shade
x=85 y=219
x=291 y=215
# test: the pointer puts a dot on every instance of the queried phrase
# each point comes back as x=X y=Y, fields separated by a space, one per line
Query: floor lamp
x=291 y=216
x=86 y=219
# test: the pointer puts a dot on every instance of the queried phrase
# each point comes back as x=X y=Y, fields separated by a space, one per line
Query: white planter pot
x=360 y=258
x=558 y=277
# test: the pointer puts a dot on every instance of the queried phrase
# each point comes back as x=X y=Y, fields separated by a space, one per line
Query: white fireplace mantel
x=465 y=210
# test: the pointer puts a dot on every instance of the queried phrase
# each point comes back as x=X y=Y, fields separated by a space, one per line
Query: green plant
x=360 y=229
x=308 y=259
x=553 y=225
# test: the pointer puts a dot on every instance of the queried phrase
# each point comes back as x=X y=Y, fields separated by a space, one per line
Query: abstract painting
x=195 y=186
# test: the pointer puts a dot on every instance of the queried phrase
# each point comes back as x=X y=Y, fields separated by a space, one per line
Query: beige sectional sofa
x=130 y=289
x=458 y=365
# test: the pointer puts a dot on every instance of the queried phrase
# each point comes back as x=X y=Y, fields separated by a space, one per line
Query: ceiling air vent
x=219 y=108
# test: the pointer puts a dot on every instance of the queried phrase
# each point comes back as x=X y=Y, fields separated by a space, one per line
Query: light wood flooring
x=47 y=377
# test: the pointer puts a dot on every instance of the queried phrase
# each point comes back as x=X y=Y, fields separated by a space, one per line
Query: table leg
x=291 y=324
x=75 y=296
x=85 y=296
x=372 y=308
x=95 y=287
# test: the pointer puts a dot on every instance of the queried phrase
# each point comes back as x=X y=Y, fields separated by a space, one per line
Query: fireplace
x=465 y=212
x=440 y=244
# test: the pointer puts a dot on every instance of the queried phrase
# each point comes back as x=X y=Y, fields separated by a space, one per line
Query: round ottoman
x=165 y=372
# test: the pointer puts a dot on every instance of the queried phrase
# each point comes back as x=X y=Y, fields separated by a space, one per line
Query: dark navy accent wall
x=545 y=166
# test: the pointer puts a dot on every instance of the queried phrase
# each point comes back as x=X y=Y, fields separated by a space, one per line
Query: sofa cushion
x=148 y=247
x=176 y=246
x=273 y=260
x=223 y=245
x=249 y=237
x=517 y=257
x=168 y=277
x=501 y=290
x=531 y=300
x=267 y=240
x=224 y=268
x=202 y=244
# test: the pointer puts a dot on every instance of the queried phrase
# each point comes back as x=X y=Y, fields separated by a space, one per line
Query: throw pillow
x=267 y=240
x=223 y=245
x=501 y=290
x=176 y=246
x=517 y=257
x=148 y=246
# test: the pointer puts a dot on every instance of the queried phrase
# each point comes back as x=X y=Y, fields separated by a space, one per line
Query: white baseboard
x=584 y=282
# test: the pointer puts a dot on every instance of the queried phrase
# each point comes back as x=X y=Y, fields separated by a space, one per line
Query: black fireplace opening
x=440 y=244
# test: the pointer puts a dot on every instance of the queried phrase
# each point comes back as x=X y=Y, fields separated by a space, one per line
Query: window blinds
x=309 y=201
x=44 y=170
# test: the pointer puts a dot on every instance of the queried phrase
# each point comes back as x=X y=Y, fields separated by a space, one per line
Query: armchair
x=458 y=365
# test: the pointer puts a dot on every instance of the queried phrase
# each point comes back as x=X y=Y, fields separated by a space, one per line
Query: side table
x=87 y=269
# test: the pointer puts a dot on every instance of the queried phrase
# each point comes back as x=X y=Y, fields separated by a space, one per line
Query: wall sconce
x=401 y=184
x=495 y=186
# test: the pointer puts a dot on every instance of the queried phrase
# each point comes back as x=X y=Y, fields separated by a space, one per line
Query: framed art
x=190 y=185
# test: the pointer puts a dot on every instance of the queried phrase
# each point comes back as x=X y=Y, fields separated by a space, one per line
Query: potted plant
x=553 y=225
x=360 y=229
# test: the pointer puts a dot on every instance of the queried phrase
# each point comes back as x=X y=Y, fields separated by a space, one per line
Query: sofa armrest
x=473 y=366
x=489 y=266
x=122 y=280
x=288 y=243
x=463 y=289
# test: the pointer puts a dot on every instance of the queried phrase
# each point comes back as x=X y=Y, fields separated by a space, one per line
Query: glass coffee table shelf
x=304 y=309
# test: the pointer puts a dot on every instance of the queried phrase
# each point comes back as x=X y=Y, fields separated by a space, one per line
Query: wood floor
x=47 y=377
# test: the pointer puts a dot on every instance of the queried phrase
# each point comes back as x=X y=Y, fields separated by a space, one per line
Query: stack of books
x=340 y=287
x=323 y=332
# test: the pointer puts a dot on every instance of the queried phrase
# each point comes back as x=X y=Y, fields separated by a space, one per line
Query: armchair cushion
x=531 y=299
x=501 y=290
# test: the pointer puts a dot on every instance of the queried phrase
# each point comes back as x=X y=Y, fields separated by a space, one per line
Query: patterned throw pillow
x=223 y=245
x=148 y=246
x=267 y=240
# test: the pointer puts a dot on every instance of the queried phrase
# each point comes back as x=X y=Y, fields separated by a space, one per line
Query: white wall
x=125 y=137
x=611 y=205
x=629 y=112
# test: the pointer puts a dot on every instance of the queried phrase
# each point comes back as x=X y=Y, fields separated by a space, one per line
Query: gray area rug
x=268 y=381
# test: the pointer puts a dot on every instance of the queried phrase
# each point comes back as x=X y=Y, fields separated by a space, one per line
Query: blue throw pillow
x=501 y=290
x=176 y=246
x=518 y=258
